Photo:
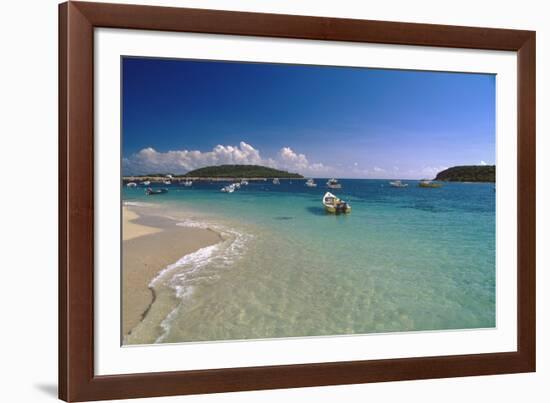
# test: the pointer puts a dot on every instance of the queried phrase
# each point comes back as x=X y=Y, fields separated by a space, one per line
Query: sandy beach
x=150 y=244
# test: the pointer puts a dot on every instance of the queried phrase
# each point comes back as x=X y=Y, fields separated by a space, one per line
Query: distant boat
x=244 y=182
x=398 y=184
x=311 y=183
x=236 y=185
x=334 y=205
x=146 y=183
x=426 y=183
x=228 y=188
x=188 y=183
x=276 y=181
x=333 y=184
x=167 y=182
x=131 y=184
x=152 y=192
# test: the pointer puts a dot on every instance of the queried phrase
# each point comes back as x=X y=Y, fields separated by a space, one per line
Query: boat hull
x=334 y=210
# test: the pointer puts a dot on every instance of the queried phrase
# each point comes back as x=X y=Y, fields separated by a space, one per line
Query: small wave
x=199 y=267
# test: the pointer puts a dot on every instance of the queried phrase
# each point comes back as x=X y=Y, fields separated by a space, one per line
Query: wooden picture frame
x=77 y=381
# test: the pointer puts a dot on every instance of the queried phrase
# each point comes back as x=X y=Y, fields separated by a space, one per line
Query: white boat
x=311 y=183
x=131 y=184
x=398 y=184
x=244 y=182
x=334 y=205
x=236 y=185
x=170 y=176
x=333 y=184
x=228 y=188
x=187 y=183
x=276 y=181
x=146 y=183
x=167 y=182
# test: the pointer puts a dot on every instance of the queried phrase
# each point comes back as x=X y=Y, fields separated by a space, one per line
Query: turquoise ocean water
x=405 y=259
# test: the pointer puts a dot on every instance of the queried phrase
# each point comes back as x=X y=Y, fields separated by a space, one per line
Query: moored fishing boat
x=398 y=184
x=131 y=184
x=146 y=183
x=188 y=183
x=152 y=192
x=276 y=181
x=426 y=183
x=228 y=188
x=311 y=183
x=167 y=182
x=333 y=184
x=334 y=205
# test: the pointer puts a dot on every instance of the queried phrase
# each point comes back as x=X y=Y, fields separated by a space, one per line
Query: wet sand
x=150 y=243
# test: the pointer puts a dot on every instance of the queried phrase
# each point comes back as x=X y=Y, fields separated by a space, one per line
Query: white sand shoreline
x=147 y=249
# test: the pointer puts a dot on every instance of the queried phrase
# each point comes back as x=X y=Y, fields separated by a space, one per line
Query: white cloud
x=148 y=160
x=378 y=169
x=432 y=171
x=482 y=162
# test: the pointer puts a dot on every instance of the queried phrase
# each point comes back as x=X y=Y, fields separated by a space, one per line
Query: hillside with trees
x=468 y=173
x=239 y=171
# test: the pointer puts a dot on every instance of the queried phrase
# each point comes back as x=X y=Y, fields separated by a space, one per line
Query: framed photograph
x=257 y=201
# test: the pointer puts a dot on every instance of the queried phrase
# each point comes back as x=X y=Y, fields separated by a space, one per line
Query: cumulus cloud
x=378 y=169
x=432 y=171
x=149 y=160
x=482 y=162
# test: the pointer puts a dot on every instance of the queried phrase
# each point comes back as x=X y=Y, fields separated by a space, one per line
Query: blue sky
x=320 y=121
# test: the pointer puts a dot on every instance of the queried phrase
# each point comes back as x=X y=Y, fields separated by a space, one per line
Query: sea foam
x=203 y=265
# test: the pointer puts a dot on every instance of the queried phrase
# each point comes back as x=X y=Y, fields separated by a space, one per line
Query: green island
x=468 y=173
x=220 y=172
x=239 y=171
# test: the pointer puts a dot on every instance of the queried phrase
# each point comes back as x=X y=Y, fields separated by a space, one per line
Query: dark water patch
x=283 y=218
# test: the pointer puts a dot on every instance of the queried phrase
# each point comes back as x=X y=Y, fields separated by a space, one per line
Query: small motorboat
x=276 y=181
x=398 y=184
x=310 y=183
x=146 y=183
x=228 y=188
x=188 y=183
x=152 y=192
x=333 y=184
x=244 y=182
x=167 y=182
x=426 y=183
x=131 y=184
x=334 y=205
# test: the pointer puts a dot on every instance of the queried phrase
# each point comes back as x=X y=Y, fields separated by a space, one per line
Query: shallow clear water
x=404 y=259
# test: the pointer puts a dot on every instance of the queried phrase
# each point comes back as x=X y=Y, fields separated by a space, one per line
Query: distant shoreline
x=161 y=179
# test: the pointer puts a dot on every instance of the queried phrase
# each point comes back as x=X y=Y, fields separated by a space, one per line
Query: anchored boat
x=426 y=183
x=334 y=205
x=333 y=184
x=152 y=192
x=188 y=183
x=276 y=181
x=311 y=183
x=398 y=184
x=228 y=188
